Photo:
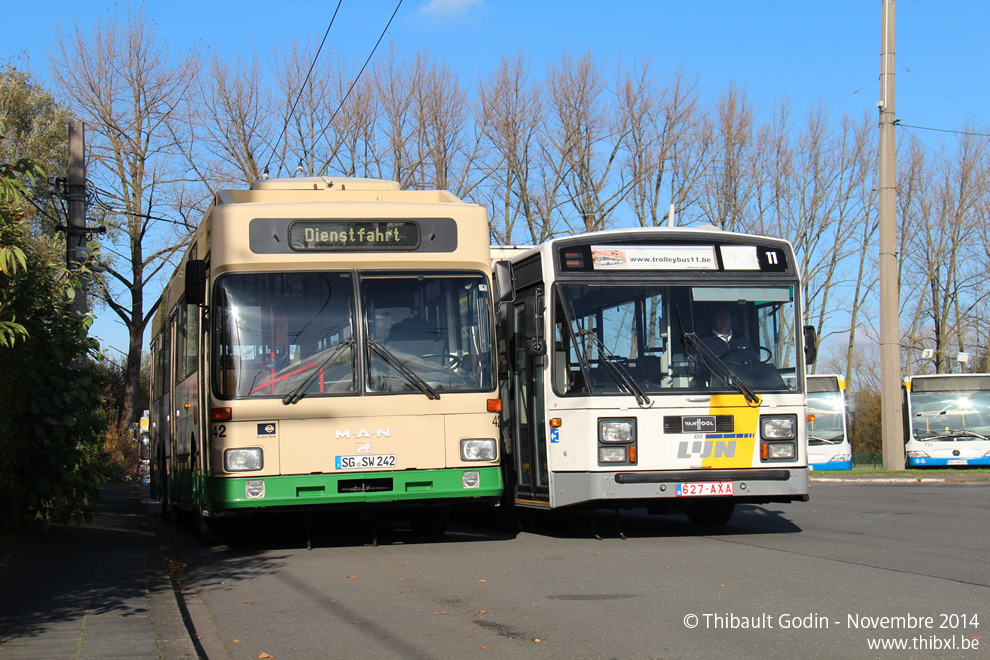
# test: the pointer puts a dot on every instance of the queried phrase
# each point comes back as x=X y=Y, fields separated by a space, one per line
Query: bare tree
x=727 y=190
x=586 y=137
x=234 y=119
x=658 y=151
x=509 y=116
x=122 y=82
x=940 y=215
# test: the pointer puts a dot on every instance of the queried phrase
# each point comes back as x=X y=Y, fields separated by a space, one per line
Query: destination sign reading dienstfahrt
x=321 y=235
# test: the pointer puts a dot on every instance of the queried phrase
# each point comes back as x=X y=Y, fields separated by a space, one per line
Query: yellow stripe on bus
x=747 y=418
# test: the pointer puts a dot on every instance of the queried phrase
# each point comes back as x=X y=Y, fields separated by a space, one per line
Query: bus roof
x=329 y=189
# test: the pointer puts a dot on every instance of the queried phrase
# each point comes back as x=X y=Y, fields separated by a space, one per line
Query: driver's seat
x=414 y=336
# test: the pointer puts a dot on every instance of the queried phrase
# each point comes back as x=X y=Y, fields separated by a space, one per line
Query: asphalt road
x=779 y=581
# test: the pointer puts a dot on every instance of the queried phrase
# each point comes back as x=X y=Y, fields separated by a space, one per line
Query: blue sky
x=811 y=52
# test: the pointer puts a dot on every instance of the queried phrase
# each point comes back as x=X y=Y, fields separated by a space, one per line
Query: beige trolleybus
x=617 y=393
x=327 y=343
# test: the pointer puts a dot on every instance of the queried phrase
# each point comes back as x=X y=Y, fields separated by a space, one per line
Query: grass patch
x=911 y=473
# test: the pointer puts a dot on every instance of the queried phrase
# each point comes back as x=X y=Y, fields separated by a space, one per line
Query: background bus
x=947 y=420
x=144 y=449
x=828 y=437
x=612 y=394
x=327 y=343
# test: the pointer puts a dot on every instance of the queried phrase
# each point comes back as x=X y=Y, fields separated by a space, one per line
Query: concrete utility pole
x=890 y=332
x=75 y=195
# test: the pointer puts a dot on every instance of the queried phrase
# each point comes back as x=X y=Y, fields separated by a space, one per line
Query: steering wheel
x=759 y=350
x=450 y=360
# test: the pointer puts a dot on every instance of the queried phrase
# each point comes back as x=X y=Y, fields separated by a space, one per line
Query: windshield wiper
x=715 y=364
x=616 y=371
x=295 y=395
x=825 y=441
x=407 y=373
x=952 y=433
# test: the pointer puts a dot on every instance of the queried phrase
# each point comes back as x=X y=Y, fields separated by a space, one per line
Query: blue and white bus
x=948 y=420
x=828 y=436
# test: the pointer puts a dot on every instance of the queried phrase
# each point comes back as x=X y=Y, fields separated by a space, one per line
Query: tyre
x=209 y=531
x=430 y=521
x=712 y=513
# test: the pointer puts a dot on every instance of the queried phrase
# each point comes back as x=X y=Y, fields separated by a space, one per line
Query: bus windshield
x=608 y=334
x=290 y=335
x=828 y=409
x=950 y=415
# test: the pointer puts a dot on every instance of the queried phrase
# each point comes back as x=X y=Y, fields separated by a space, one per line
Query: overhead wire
x=358 y=76
x=302 y=88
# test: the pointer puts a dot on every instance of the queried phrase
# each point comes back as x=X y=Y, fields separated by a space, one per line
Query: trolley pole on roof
x=890 y=334
x=75 y=195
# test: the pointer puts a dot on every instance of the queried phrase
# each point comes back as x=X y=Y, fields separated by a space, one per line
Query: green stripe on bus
x=346 y=488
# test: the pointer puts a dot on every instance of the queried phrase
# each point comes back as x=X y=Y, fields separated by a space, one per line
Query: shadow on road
x=638 y=523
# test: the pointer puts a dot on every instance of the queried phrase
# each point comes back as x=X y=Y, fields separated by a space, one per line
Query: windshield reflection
x=950 y=415
x=292 y=335
x=747 y=338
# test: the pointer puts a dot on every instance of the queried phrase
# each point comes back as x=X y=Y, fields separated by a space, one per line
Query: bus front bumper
x=756 y=485
x=407 y=486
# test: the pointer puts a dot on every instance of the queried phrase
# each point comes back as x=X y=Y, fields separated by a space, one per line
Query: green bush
x=51 y=431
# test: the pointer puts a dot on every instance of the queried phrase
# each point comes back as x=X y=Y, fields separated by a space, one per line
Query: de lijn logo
x=707 y=449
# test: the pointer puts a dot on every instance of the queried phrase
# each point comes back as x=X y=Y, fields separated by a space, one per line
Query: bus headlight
x=478 y=449
x=243 y=460
x=778 y=427
x=612 y=454
x=920 y=454
x=471 y=479
x=840 y=457
x=617 y=430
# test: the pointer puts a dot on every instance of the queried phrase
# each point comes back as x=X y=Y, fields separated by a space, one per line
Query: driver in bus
x=733 y=347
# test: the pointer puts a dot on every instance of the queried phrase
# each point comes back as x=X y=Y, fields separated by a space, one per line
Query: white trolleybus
x=828 y=438
x=618 y=395
x=328 y=343
x=947 y=420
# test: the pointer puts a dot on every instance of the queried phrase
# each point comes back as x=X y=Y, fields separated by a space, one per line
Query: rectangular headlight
x=243 y=460
x=478 y=449
x=617 y=430
x=612 y=454
x=920 y=454
x=778 y=427
x=781 y=450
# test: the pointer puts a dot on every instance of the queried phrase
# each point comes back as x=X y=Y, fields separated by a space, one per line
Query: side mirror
x=505 y=287
x=533 y=324
x=810 y=344
x=195 y=282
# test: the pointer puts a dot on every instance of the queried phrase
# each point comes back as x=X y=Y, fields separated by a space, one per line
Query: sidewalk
x=96 y=590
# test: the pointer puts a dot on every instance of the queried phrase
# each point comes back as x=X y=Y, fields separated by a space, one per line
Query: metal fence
x=868 y=460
